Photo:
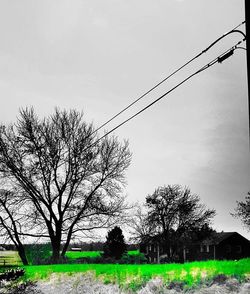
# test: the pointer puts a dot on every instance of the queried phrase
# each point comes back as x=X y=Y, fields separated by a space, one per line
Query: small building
x=76 y=249
x=219 y=246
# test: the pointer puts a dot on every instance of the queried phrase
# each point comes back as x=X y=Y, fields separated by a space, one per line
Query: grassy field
x=83 y=254
x=12 y=258
x=8 y=258
x=133 y=276
x=92 y=254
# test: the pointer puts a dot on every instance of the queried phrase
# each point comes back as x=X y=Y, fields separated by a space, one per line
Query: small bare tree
x=70 y=180
x=140 y=227
x=12 y=221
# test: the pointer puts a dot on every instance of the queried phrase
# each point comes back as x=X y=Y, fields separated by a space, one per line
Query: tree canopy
x=174 y=216
x=176 y=208
x=68 y=180
x=115 y=245
x=242 y=211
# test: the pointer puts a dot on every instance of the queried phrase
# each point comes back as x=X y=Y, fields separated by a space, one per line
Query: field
x=83 y=254
x=8 y=258
x=133 y=276
x=11 y=258
x=92 y=254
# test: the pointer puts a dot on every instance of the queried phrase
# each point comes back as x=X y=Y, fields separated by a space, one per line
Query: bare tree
x=140 y=227
x=70 y=180
x=10 y=222
x=175 y=213
x=242 y=211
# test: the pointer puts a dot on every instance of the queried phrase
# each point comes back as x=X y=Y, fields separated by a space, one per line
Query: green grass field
x=133 y=276
x=93 y=254
x=11 y=258
x=83 y=254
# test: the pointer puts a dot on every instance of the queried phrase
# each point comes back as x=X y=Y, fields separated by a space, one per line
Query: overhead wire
x=218 y=59
x=242 y=48
x=170 y=75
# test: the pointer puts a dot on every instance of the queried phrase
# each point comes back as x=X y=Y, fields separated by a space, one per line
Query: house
x=223 y=245
x=152 y=251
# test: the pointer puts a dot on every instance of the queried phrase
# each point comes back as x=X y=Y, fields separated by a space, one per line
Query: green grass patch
x=134 y=252
x=134 y=276
x=94 y=254
x=83 y=254
x=9 y=258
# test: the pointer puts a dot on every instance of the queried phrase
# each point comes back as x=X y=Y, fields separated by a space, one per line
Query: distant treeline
x=8 y=246
x=91 y=246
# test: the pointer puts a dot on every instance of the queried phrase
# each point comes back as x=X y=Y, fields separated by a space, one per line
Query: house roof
x=217 y=238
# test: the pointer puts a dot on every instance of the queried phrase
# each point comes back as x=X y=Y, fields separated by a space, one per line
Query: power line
x=234 y=30
x=218 y=59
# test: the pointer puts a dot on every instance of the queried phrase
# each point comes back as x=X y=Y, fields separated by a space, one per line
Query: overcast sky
x=97 y=56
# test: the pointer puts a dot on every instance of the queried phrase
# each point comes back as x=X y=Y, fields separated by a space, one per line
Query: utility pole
x=247 y=15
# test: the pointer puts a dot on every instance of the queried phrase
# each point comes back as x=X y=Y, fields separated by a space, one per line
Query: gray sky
x=98 y=56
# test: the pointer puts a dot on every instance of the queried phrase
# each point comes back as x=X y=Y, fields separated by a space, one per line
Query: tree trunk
x=66 y=245
x=56 y=244
x=22 y=254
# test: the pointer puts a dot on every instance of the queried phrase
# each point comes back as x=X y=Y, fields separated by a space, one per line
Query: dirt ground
x=79 y=284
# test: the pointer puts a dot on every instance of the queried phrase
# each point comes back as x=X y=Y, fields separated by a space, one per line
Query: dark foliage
x=38 y=253
x=133 y=259
x=177 y=217
x=27 y=287
x=11 y=274
x=220 y=279
x=115 y=245
x=125 y=259
x=176 y=285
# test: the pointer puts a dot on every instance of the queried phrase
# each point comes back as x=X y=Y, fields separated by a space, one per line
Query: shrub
x=94 y=260
x=133 y=259
x=23 y=287
x=12 y=274
x=115 y=245
x=126 y=258
x=38 y=253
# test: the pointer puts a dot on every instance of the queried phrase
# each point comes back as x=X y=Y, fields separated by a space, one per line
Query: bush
x=133 y=259
x=115 y=245
x=12 y=274
x=38 y=253
x=23 y=287
x=94 y=260
x=125 y=259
